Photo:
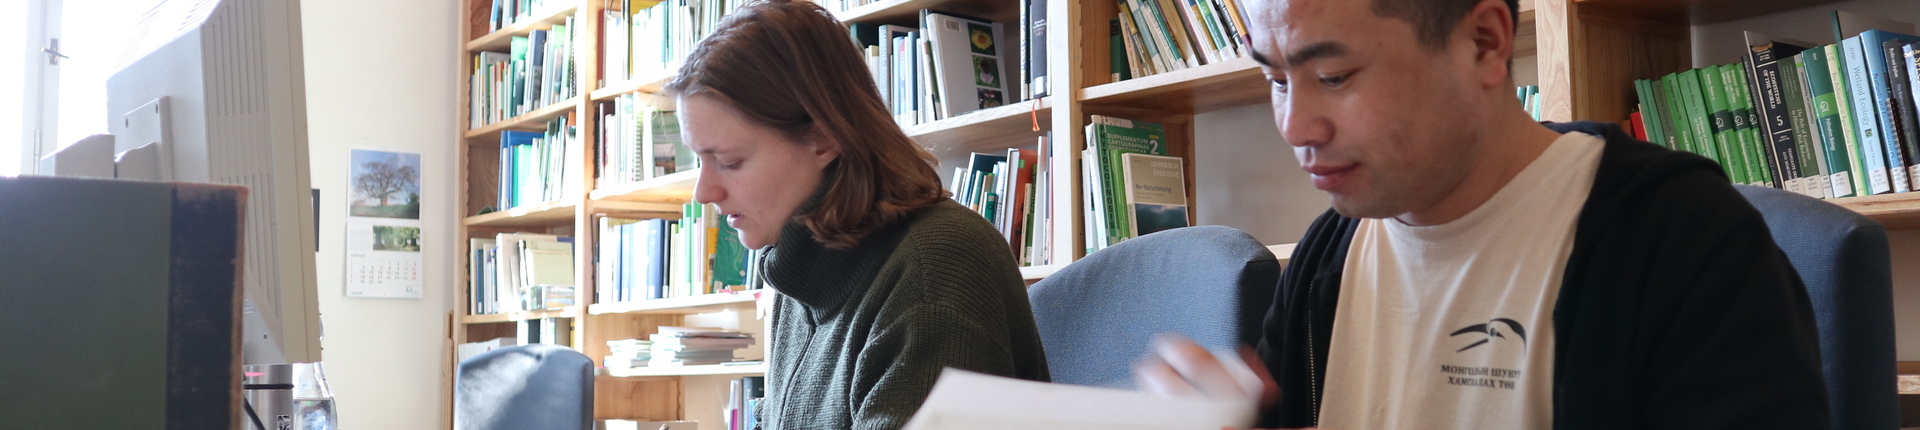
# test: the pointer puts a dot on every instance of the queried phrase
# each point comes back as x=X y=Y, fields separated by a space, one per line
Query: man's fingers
x=1156 y=377
x=1263 y=381
x=1204 y=371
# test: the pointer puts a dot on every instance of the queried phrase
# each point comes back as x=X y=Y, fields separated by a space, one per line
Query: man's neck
x=1511 y=143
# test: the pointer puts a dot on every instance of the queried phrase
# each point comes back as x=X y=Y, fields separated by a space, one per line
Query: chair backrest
x=530 y=387
x=1098 y=315
x=1842 y=257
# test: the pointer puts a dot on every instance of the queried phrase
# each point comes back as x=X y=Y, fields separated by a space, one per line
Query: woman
x=883 y=280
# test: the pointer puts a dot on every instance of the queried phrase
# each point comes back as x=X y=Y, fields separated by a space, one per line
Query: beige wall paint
x=381 y=74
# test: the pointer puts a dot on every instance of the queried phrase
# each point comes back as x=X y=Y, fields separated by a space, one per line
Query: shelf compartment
x=705 y=303
x=530 y=121
x=996 y=128
x=566 y=312
x=690 y=370
x=675 y=188
x=530 y=215
x=502 y=39
x=650 y=83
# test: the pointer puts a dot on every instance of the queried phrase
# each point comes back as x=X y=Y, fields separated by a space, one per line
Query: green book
x=1677 y=116
x=1760 y=163
x=1843 y=106
x=1117 y=51
x=1663 y=107
x=1725 y=139
x=1116 y=136
x=1649 y=116
x=1793 y=91
x=1699 y=119
x=1826 y=119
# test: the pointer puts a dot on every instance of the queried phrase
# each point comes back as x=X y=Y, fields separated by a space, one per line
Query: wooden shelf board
x=996 y=128
x=692 y=370
x=908 y=11
x=1896 y=211
x=1695 y=12
x=531 y=121
x=538 y=214
x=502 y=39
x=567 y=312
x=700 y=304
x=672 y=188
x=649 y=83
x=1208 y=88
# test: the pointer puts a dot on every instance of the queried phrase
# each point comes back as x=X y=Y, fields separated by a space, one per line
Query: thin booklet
x=968 y=400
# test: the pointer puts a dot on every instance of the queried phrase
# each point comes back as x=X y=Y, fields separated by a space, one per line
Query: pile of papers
x=675 y=346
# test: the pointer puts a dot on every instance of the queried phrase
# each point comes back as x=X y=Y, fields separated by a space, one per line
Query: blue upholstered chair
x=1842 y=257
x=1096 y=316
x=531 y=387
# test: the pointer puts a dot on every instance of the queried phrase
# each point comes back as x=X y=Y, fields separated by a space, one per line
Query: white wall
x=381 y=74
x=1246 y=177
x=1724 y=43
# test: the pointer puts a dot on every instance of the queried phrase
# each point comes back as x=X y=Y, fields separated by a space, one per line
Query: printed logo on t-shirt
x=1499 y=367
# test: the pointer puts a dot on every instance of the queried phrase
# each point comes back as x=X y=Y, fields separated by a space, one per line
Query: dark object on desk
x=1096 y=316
x=530 y=387
x=122 y=300
x=1842 y=257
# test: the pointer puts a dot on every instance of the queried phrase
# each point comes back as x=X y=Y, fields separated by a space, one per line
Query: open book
x=968 y=400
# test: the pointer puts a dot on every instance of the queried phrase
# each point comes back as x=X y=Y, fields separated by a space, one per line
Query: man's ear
x=1490 y=27
x=826 y=148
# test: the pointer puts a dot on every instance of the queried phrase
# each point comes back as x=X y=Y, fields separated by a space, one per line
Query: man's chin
x=1355 y=207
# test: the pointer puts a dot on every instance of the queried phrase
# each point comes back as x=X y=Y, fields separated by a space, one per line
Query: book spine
x=1901 y=105
x=1037 y=33
x=1726 y=134
x=1775 y=125
x=1882 y=154
x=1800 y=125
x=1760 y=160
x=1701 y=118
x=1171 y=23
x=1826 y=115
x=1881 y=97
x=1865 y=182
x=1911 y=63
x=1677 y=116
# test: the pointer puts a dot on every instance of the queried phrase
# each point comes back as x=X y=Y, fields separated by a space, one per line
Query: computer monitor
x=213 y=91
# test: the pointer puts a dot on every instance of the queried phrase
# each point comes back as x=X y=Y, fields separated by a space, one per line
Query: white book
x=1156 y=192
x=969 y=60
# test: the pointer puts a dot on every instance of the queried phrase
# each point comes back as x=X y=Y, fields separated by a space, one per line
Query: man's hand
x=1179 y=367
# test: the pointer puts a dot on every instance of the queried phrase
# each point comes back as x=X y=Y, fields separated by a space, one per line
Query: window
x=58 y=91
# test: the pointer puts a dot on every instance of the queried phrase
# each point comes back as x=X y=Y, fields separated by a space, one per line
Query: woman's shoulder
x=948 y=226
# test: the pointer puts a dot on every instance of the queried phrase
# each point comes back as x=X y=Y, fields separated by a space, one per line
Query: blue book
x=1878 y=64
x=1865 y=120
x=655 y=257
x=512 y=145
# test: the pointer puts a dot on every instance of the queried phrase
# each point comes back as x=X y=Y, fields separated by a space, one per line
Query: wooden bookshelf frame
x=1587 y=53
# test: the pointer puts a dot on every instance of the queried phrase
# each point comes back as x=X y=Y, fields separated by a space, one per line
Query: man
x=1482 y=270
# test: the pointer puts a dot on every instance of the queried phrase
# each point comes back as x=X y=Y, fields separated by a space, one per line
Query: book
x=1827 y=124
x=1699 y=119
x=967 y=56
x=1760 y=163
x=1156 y=192
x=1727 y=144
x=1764 y=57
x=1112 y=137
x=1865 y=119
x=1864 y=182
x=1901 y=105
x=1678 y=115
x=1036 y=59
x=1879 y=96
x=1811 y=164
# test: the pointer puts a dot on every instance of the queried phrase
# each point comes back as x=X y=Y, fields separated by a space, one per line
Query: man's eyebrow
x=1302 y=56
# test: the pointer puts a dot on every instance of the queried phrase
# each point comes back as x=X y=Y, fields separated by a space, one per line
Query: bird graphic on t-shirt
x=1491 y=332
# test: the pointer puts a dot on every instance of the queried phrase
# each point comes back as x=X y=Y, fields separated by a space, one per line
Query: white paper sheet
x=968 y=400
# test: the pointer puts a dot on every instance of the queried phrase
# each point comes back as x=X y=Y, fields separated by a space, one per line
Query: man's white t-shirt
x=1451 y=326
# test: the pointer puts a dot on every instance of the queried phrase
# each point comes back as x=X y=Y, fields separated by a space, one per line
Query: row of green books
x=536 y=71
x=947 y=66
x=1011 y=191
x=639 y=141
x=644 y=39
x=1157 y=36
x=539 y=167
x=1826 y=121
x=1133 y=187
x=643 y=259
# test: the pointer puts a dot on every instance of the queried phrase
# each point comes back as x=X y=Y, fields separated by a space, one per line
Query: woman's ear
x=826 y=148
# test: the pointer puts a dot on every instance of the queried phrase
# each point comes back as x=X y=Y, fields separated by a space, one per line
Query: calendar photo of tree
x=385 y=185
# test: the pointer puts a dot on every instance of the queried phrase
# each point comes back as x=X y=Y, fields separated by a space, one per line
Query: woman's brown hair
x=790 y=66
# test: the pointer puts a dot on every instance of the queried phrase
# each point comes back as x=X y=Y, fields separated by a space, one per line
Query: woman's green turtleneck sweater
x=860 y=335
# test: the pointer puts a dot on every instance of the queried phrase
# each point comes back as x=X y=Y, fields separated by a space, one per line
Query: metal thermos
x=288 y=397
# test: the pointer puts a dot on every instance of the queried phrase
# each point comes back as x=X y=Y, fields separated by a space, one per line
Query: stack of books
x=1133 y=188
x=647 y=39
x=948 y=65
x=537 y=70
x=1151 y=37
x=506 y=13
x=639 y=141
x=627 y=353
x=644 y=259
x=675 y=346
x=520 y=272
x=1825 y=121
x=1011 y=191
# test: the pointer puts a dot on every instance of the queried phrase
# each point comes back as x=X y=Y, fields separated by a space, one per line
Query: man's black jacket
x=1676 y=310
